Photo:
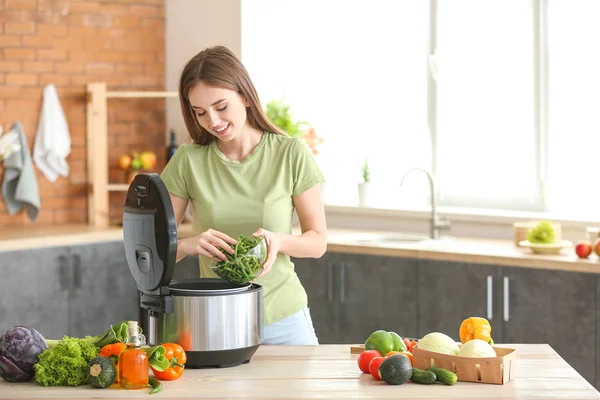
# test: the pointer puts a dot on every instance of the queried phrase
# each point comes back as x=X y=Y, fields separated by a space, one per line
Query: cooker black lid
x=149 y=232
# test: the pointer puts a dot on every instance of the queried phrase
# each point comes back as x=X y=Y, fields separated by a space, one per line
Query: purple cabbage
x=20 y=347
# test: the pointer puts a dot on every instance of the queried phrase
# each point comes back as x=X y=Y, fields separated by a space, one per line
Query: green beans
x=245 y=263
x=156 y=385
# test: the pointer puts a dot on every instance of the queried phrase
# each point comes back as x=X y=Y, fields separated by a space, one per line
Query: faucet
x=435 y=224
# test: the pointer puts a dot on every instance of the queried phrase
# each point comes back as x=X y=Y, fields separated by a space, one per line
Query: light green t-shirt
x=239 y=197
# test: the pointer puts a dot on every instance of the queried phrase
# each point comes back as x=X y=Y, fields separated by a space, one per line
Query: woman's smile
x=222 y=129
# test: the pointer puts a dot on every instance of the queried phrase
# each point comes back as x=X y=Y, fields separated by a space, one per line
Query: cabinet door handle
x=330 y=282
x=490 y=297
x=506 y=303
x=77 y=270
x=63 y=275
x=342 y=283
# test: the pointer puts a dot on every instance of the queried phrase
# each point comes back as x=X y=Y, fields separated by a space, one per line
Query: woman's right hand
x=208 y=244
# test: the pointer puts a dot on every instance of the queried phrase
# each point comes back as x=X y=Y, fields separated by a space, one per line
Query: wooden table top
x=330 y=371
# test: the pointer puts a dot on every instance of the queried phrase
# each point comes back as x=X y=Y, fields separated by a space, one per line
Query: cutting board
x=357 y=348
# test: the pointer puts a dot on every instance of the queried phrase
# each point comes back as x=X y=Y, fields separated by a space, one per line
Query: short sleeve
x=305 y=171
x=175 y=172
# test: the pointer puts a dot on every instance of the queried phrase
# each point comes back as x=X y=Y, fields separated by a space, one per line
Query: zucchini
x=423 y=377
x=395 y=369
x=443 y=375
x=101 y=372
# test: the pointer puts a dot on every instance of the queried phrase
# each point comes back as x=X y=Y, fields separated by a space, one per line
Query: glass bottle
x=172 y=148
x=133 y=360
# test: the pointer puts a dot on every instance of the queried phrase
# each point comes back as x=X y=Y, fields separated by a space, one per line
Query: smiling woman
x=234 y=143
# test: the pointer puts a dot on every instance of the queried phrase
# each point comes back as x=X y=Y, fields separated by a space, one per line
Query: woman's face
x=220 y=111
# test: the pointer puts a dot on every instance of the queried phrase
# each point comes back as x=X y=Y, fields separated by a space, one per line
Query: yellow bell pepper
x=475 y=328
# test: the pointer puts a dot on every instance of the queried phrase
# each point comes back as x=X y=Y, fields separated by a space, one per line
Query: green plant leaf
x=278 y=112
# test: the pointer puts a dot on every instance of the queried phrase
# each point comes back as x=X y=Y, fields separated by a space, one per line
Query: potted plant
x=363 y=187
x=280 y=115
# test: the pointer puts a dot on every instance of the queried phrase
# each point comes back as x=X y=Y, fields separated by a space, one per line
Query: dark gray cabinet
x=350 y=296
x=317 y=277
x=377 y=293
x=554 y=307
x=598 y=332
x=75 y=291
x=450 y=292
x=523 y=305
x=34 y=290
x=103 y=290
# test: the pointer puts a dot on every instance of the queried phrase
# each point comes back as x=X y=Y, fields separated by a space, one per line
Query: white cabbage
x=438 y=343
x=476 y=348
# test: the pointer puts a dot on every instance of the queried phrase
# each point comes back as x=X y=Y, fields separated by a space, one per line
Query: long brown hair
x=218 y=66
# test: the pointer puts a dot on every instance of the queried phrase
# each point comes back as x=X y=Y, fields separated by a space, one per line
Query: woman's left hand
x=273 y=240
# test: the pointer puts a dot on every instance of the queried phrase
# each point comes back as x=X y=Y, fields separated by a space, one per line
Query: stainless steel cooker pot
x=219 y=324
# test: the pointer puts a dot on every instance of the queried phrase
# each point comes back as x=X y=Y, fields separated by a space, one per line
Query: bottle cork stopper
x=132 y=328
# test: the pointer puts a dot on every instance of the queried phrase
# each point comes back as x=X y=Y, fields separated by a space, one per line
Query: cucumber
x=443 y=375
x=423 y=377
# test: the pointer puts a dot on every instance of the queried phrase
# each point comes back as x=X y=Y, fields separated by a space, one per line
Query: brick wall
x=70 y=43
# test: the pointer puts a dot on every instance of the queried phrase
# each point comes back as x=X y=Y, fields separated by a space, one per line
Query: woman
x=243 y=176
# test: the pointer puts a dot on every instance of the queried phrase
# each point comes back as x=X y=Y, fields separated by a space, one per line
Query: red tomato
x=365 y=358
x=374 y=367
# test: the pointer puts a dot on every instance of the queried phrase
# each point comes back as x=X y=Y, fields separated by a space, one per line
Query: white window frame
x=540 y=93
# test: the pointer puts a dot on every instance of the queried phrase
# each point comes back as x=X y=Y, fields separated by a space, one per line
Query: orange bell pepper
x=112 y=351
x=177 y=358
x=475 y=328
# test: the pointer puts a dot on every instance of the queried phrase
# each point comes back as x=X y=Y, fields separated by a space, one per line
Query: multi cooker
x=219 y=324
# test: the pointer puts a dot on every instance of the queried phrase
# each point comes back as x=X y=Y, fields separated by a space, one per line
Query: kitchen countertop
x=476 y=251
x=330 y=371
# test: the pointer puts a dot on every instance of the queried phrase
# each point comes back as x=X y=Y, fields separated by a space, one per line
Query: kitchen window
x=498 y=98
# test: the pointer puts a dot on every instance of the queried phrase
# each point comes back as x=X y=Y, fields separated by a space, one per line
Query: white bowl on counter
x=546 y=248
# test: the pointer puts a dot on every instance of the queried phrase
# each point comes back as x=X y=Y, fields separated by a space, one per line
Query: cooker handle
x=63 y=273
x=342 y=282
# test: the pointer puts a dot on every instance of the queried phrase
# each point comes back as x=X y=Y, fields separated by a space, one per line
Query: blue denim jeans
x=297 y=329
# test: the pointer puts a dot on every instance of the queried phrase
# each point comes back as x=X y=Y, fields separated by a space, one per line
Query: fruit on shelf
x=583 y=249
x=596 y=247
x=136 y=163
x=148 y=160
x=124 y=161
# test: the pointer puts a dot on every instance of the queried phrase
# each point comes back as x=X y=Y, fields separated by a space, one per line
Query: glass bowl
x=245 y=264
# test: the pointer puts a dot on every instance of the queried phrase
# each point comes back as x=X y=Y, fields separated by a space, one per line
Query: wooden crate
x=496 y=370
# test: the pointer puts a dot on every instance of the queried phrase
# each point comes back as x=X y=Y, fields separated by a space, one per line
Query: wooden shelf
x=97 y=148
x=139 y=95
x=117 y=187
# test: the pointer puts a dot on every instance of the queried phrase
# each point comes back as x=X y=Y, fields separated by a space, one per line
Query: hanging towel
x=19 y=185
x=52 y=140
